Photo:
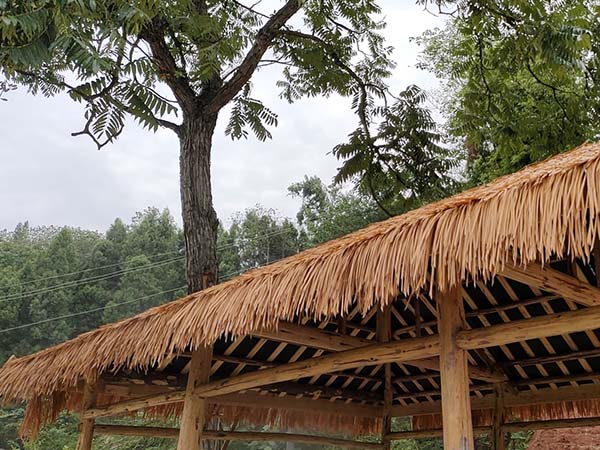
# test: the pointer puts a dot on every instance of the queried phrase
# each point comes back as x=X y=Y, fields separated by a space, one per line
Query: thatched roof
x=547 y=209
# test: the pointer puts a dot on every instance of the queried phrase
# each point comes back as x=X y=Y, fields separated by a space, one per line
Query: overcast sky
x=50 y=178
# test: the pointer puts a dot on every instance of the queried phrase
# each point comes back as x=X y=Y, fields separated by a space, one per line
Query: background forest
x=519 y=82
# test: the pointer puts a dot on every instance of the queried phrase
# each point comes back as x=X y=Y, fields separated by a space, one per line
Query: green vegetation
x=176 y=65
x=519 y=83
x=520 y=79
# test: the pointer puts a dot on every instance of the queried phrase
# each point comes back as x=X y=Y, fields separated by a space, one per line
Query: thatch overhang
x=546 y=215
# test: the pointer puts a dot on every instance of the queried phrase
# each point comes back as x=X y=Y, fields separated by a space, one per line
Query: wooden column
x=384 y=334
x=194 y=406
x=498 y=432
x=86 y=426
x=456 y=407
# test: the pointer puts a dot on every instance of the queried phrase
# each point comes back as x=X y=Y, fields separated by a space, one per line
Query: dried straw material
x=43 y=410
x=545 y=209
x=544 y=411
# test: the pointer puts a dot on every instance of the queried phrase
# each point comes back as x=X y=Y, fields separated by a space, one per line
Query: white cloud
x=49 y=177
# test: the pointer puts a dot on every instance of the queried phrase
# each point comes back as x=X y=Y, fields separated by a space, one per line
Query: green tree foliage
x=520 y=79
x=121 y=52
x=177 y=64
x=328 y=212
x=47 y=273
x=403 y=164
x=256 y=237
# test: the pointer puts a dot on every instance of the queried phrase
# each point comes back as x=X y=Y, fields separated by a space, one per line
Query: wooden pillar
x=384 y=334
x=498 y=432
x=456 y=406
x=194 y=406
x=86 y=426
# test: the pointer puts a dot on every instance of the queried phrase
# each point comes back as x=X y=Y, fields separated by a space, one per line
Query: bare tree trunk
x=200 y=221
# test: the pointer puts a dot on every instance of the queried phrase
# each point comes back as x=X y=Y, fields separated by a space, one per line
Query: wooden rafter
x=551 y=280
x=370 y=355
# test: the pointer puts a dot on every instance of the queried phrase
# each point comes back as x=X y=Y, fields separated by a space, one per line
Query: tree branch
x=168 y=69
x=264 y=37
x=362 y=107
x=90 y=98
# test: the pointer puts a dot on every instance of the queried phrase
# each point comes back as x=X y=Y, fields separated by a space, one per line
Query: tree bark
x=200 y=221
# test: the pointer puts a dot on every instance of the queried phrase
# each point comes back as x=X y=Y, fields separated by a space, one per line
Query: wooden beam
x=267 y=399
x=326 y=340
x=456 y=406
x=528 y=398
x=395 y=351
x=537 y=327
x=557 y=379
x=483 y=312
x=554 y=358
x=401 y=351
x=309 y=390
x=506 y=428
x=551 y=280
x=477 y=373
x=313 y=337
x=421 y=394
x=551 y=424
x=131 y=430
x=428 y=434
x=253 y=399
x=194 y=406
x=86 y=426
x=173 y=433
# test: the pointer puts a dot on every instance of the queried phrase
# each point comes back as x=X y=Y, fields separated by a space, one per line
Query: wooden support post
x=384 y=334
x=456 y=406
x=86 y=426
x=194 y=406
x=498 y=431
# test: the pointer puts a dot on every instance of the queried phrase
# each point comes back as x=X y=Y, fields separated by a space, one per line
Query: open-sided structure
x=480 y=313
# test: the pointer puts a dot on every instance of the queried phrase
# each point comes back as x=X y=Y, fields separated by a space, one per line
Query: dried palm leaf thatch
x=45 y=409
x=550 y=208
x=543 y=411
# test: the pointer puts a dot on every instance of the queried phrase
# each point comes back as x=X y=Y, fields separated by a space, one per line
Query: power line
x=84 y=281
x=89 y=311
x=63 y=275
x=113 y=305
x=102 y=277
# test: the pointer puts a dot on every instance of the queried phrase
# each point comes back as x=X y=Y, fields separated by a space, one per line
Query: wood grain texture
x=86 y=426
x=456 y=406
x=173 y=433
x=537 y=327
x=194 y=405
x=550 y=280
x=395 y=351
